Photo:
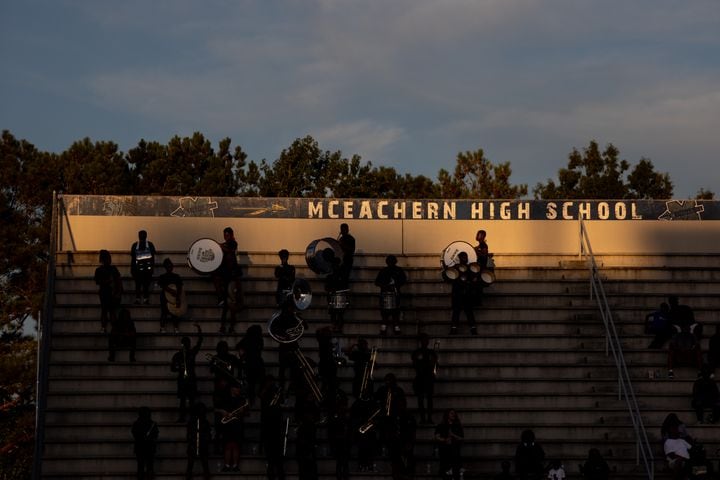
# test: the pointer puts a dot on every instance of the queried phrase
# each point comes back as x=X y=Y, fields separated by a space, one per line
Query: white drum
x=451 y=264
x=389 y=301
x=487 y=276
x=205 y=256
x=338 y=300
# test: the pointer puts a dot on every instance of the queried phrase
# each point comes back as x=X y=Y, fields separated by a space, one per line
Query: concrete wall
x=86 y=232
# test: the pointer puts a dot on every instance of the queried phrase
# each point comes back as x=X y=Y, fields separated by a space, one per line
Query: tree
x=302 y=170
x=476 y=177
x=592 y=174
x=93 y=169
x=703 y=194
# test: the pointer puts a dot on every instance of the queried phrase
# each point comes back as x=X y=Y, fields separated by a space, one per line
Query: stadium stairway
x=537 y=362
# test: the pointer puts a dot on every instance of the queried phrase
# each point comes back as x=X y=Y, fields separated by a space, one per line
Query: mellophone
x=452 y=269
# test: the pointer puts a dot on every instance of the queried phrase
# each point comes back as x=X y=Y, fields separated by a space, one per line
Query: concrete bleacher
x=537 y=362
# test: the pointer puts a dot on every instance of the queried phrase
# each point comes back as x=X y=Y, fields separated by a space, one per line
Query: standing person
x=305 y=445
x=347 y=243
x=483 y=257
x=142 y=263
x=122 y=334
x=390 y=279
x=285 y=274
x=713 y=354
x=335 y=282
x=145 y=433
x=449 y=435
x=272 y=428
x=233 y=303
x=706 y=395
x=198 y=439
x=107 y=278
x=172 y=297
x=462 y=296
x=366 y=439
x=251 y=349
x=231 y=411
x=228 y=267
x=390 y=398
x=529 y=458
x=183 y=362
x=424 y=362
x=340 y=436
x=327 y=366
x=402 y=453
x=360 y=355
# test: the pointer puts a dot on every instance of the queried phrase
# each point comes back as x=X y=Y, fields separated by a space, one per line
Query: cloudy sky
x=402 y=83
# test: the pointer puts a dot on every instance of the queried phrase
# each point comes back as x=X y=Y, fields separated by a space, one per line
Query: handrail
x=613 y=345
x=43 y=348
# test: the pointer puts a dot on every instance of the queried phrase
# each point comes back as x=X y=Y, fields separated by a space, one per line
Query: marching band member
x=273 y=433
x=171 y=291
x=110 y=288
x=360 y=356
x=229 y=266
x=334 y=282
x=347 y=243
x=231 y=412
x=463 y=294
x=250 y=350
x=183 y=362
x=145 y=433
x=142 y=263
x=122 y=334
x=424 y=361
x=198 y=439
x=390 y=279
x=285 y=274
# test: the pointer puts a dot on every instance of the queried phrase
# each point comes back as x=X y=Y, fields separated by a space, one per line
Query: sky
x=403 y=83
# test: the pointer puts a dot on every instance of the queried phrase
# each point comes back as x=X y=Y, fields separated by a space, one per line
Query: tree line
x=192 y=166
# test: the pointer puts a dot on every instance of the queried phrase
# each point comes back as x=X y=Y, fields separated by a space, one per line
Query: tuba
x=285 y=325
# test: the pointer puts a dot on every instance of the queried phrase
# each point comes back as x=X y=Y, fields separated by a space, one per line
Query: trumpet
x=235 y=414
x=388 y=403
x=276 y=397
x=370 y=424
x=308 y=375
x=368 y=374
x=219 y=362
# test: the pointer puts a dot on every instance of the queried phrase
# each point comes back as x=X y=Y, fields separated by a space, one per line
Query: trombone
x=219 y=362
x=368 y=374
x=371 y=422
x=235 y=414
x=308 y=375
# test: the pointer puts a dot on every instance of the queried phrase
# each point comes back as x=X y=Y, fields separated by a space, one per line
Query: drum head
x=317 y=259
x=449 y=256
x=450 y=274
x=475 y=267
x=487 y=276
x=205 y=256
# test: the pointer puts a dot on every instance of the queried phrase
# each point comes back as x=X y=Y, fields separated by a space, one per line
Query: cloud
x=363 y=137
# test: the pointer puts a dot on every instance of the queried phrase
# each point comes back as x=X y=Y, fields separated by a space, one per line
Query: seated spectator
x=677 y=453
x=680 y=314
x=672 y=420
x=595 y=467
x=122 y=335
x=714 y=350
x=684 y=350
x=557 y=470
x=658 y=324
x=529 y=458
x=706 y=395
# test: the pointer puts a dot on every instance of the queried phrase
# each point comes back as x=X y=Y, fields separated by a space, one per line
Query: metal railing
x=613 y=346
x=43 y=342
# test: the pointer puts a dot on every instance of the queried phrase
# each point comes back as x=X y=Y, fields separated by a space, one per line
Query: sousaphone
x=285 y=325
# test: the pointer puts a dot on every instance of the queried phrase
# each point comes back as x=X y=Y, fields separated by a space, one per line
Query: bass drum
x=205 y=256
x=317 y=254
x=285 y=327
x=451 y=264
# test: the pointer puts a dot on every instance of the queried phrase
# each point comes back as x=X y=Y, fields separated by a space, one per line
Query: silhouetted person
x=142 y=263
x=145 y=433
x=529 y=458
